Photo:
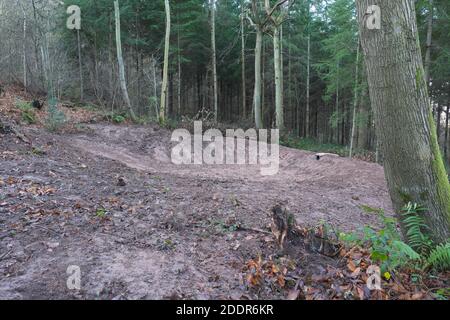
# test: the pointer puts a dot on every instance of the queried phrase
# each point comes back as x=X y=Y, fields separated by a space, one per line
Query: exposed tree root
x=8 y=127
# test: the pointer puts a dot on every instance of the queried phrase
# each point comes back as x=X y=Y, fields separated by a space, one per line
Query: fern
x=415 y=226
x=439 y=257
x=405 y=250
x=436 y=257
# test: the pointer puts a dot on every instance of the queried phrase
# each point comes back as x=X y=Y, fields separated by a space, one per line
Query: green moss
x=419 y=79
x=437 y=165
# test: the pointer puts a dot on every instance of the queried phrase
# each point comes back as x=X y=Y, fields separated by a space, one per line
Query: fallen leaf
x=417 y=296
x=351 y=266
x=356 y=273
x=293 y=294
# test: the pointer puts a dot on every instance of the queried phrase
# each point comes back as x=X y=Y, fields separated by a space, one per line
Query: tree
x=277 y=21
x=258 y=22
x=214 y=58
x=404 y=123
x=123 y=83
x=308 y=73
x=164 y=87
x=355 y=106
x=429 y=42
x=244 y=93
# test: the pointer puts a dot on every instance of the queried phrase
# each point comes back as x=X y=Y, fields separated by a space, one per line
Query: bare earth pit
x=168 y=233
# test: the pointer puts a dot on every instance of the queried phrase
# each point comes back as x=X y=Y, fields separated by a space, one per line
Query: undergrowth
x=27 y=112
x=389 y=250
x=55 y=118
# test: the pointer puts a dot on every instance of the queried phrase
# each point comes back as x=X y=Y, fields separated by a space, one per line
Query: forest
x=224 y=149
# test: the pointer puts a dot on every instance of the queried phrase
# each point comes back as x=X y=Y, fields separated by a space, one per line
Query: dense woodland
x=324 y=86
x=311 y=68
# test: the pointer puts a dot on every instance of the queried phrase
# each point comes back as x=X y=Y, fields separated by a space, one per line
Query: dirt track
x=164 y=234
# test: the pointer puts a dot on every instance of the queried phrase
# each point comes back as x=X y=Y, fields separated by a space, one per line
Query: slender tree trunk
x=123 y=83
x=289 y=99
x=155 y=87
x=244 y=93
x=80 y=65
x=214 y=58
x=278 y=82
x=429 y=43
x=398 y=90
x=39 y=67
x=25 y=80
x=308 y=84
x=264 y=109
x=257 y=91
x=355 y=104
x=111 y=62
x=164 y=86
x=377 y=151
x=282 y=77
x=308 y=75
x=179 y=73
x=364 y=129
x=447 y=114
x=337 y=105
x=438 y=120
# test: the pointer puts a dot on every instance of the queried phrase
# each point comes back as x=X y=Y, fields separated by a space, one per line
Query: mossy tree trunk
x=404 y=123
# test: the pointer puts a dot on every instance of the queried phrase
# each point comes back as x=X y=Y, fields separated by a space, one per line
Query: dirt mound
x=325 y=188
x=170 y=231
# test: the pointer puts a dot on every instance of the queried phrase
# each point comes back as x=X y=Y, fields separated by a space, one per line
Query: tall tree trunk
x=308 y=86
x=244 y=93
x=282 y=77
x=155 y=87
x=447 y=114
x=289 y=100
x=123 y=83
x=278 y=81
x=363 y=128
x=179 y=73
x=39 y=67
x=398 y=90
x=438 y=120
x=257 y=91
x=429 y=43
x=80 y=65
x=25 y=81
x=355 y=104
x=308 y=74
x=164 y=87
x=214 y=59
x=337 y=106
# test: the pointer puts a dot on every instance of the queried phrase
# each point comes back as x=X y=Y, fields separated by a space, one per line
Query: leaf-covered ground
x=108 y=199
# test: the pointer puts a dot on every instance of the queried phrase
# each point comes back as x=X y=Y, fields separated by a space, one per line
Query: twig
x=5 y=254
x=45 y=228
x=241 y=228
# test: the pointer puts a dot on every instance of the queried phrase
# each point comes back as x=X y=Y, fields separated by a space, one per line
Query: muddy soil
x=169 y=232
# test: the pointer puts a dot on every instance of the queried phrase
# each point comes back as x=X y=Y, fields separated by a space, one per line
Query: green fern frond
x=439 y=257
x=415 y=226
x=404 y=249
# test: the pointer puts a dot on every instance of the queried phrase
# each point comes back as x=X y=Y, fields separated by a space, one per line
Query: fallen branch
x=241 y=228
x=11 y=128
